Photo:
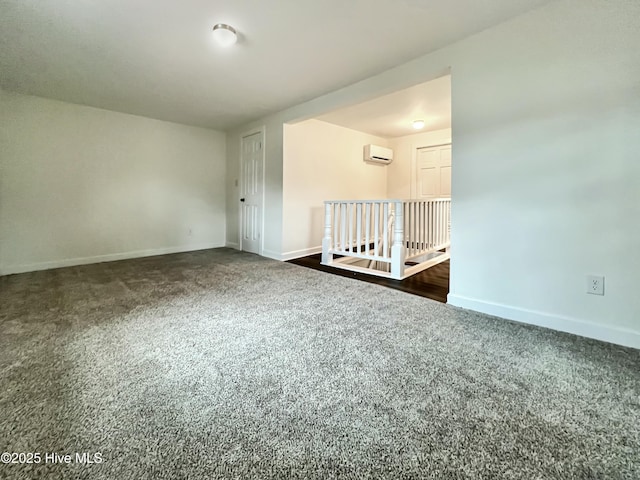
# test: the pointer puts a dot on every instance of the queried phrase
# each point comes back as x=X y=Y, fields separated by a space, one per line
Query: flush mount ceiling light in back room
x=225 y=35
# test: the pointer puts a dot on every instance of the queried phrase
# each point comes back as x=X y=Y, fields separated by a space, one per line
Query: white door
x=251 y=192
x=433 y=175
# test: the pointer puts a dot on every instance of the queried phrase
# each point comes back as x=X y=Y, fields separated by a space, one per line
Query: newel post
x=327 y=258
x=397 y=249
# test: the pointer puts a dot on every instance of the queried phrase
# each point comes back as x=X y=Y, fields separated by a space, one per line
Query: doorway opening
x=420 y=170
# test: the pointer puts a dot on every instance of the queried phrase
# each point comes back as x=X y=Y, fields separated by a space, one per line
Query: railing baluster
x=397 y=250
x=326 y=239
x=437 y=205
x=434 y=223
x=376 y=227
x=417 y=246
x=367 y=225
x=426 y=232
x=359 y=226
x=412 y=237
x=406 y=224
x=343 y=225
x=439 y=223
x=431 y=224
x=441 y=230
x=385 y=239
x=409 y=227
x=414 y=227
x=419 y=227
x=336 y=224
x=350 y=222
x=444 y=223
x=423 y=226
x=416 y=240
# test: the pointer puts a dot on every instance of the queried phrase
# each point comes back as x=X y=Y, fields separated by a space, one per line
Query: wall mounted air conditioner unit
x=376 y=154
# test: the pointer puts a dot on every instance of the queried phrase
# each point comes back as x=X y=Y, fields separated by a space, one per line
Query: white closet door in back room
x=433 y=172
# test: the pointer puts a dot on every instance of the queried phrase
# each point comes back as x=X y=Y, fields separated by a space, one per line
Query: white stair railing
x=379 y=246
x=427 y=226
x=378 y=236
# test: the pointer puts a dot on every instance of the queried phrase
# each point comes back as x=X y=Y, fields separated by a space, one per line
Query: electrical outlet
x=595 y=284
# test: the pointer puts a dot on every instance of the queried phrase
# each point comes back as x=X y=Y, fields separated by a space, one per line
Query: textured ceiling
x=157 y=58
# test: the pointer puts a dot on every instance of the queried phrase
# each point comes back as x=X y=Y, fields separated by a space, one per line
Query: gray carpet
x=219 y=364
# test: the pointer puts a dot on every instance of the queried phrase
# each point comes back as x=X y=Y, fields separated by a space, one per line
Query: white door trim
x=414 y=156
x=263 y=131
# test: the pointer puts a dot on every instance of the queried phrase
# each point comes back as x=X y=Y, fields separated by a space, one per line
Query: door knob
x=242 y=199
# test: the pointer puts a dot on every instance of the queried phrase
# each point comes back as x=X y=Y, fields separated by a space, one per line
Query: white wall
x=80 y=184
x=546 y=114
x=399 y=179
x=323 y=162
x=546 y=177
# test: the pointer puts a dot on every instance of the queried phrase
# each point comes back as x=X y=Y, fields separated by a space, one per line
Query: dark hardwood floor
x=432 y=283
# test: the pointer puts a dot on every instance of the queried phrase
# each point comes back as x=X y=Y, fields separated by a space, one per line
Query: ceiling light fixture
x=225 y=34
x=418 y=124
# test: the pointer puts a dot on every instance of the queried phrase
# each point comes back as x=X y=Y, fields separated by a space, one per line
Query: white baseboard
x=617 y=335
x=71 y=262
x=234 y=245
x=300 y=253
x=283 y=257
x=271 y=254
